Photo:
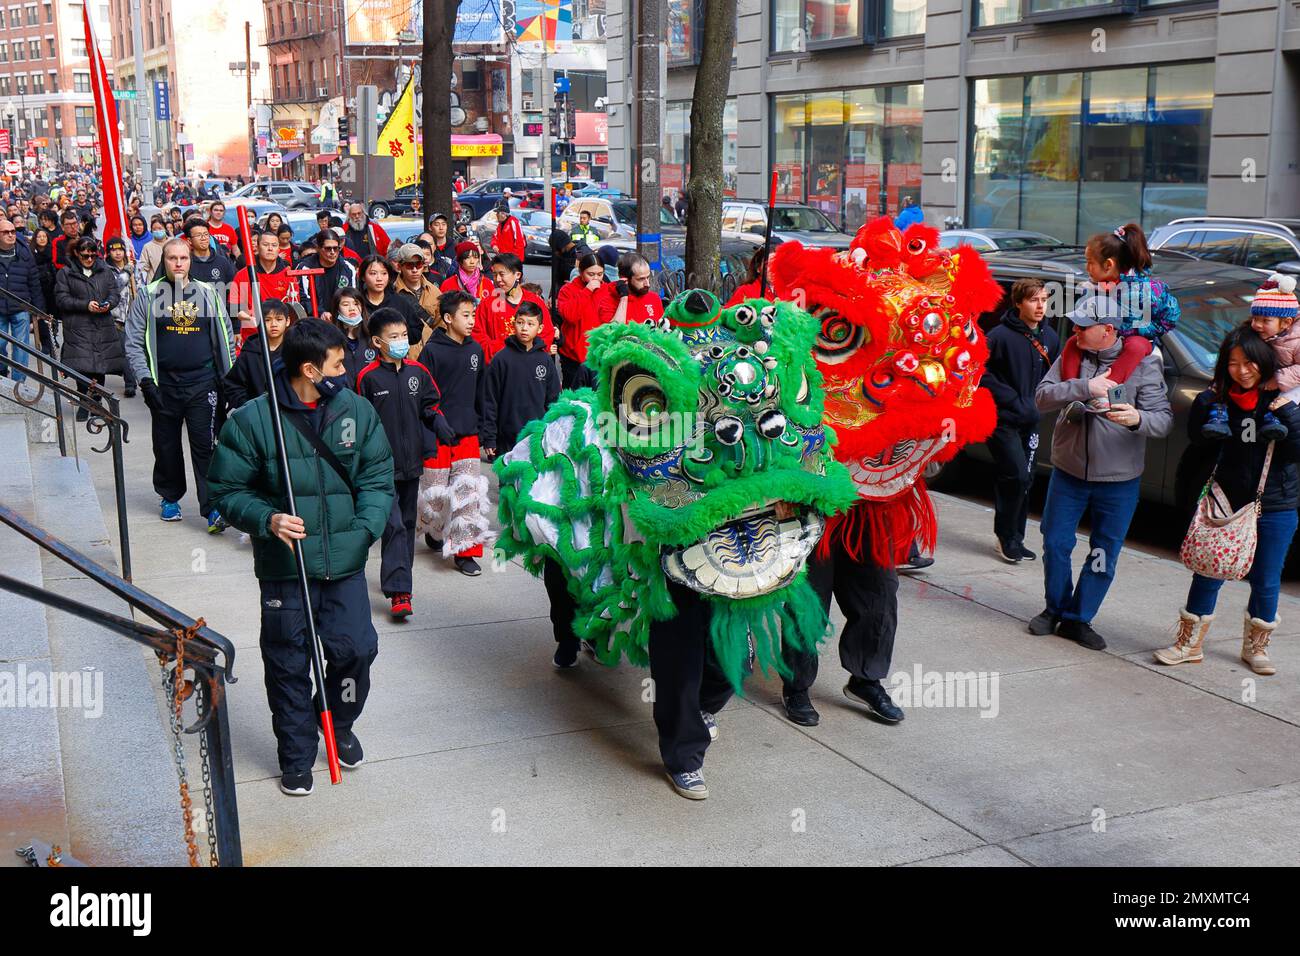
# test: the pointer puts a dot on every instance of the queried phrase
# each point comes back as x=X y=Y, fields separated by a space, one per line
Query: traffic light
x=555 y=122
x=343 y=131
x=570 y=119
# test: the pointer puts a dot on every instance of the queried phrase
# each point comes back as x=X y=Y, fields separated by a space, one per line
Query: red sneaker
x=401 y=606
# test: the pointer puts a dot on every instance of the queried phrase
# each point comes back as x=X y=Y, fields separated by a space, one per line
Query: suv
x=288 y=193
x=482 y=197
x=615 y=218
x=1265 y=245
x=748 y=220
x=1214 y=298
x=405 y=202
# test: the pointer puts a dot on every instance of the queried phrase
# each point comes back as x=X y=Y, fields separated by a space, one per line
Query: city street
x=478 y=751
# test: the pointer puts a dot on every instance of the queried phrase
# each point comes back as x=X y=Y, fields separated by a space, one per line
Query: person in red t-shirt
x=631 y=299
x=578 y=316
x=494 y=320
x=222 y=234
x=272 y=283
x=509 y=236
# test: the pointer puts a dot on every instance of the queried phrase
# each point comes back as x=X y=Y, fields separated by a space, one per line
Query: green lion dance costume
x=673 y=469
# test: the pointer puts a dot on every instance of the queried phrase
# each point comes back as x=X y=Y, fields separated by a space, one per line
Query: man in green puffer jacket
x=337 y=522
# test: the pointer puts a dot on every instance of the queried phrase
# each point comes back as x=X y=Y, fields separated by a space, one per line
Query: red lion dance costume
x=902 y=355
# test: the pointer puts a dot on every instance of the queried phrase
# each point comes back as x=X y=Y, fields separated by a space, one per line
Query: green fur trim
x=792 y=615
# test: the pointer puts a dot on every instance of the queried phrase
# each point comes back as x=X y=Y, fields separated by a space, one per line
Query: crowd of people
x=400 y=367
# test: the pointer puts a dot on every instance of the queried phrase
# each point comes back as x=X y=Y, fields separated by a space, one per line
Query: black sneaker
x=350 y=752
x=873 y=694
x=433 y=543
x=129 y=392
x=468 y=567
x=799 y=709
x=918 y=563
x=296 y=784
x=566 y=654
x=1027 y=555
x=1044 y=623
x=1007 y=552
x=83 y=415
x=1083 y=635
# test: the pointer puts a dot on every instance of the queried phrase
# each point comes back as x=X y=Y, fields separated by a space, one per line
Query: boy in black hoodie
x=1021 y=350
x=247 y=377
x=406 y=398
x=453 y=511
x=521 y=383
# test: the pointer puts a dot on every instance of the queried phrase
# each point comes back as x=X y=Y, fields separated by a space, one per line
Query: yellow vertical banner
x=397 y=139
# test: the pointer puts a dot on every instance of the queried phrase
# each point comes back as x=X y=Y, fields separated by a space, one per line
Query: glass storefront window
x=787 y=23
x=852 y=154
x=1074 y=154
x=903 y=18
x=1049 y=182
x=991 y=13
x=675 y=168
x=1114 y=148
x=997 y=142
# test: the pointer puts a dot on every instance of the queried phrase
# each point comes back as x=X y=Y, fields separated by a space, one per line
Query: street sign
x=125 y=94
x=13 y=167
x=162 y=100
x=561 y=84
x=274 y=160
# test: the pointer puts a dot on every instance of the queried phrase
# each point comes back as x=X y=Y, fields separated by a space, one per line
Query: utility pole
x=143 y=105
x=548 y=107
x=649 y=33
x=248 y=73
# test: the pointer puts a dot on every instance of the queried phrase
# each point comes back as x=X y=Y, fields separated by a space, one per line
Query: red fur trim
x=884 y=530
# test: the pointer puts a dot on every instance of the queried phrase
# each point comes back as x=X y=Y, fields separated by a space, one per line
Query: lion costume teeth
x=902 y=356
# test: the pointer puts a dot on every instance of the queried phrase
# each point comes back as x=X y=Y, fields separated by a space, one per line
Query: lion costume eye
x=643 y=400
x=745 y=315
x=839 y=338
x=916 y=247
x=768 y=316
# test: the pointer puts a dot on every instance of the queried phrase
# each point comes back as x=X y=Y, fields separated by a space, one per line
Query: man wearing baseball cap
x=1098 y=454
x=414 y=288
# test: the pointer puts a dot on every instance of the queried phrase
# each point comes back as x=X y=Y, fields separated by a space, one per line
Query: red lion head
x=902 y=355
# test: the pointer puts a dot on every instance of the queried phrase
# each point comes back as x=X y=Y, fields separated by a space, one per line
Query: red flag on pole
x=110 y=156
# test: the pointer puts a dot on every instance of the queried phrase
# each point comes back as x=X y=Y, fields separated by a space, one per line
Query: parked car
x=292 y=194
x=1214 y=298
x=537 y=227
x=481 y=197
x=732 y=266
x=747 y=220
x=615 y=218
x=993 y=240
x=303 y=223
x=402 y=230
x=1265 y=245
x=404 y=202
x=257 y=210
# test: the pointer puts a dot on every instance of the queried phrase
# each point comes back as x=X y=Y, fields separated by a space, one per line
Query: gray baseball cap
x=1097 y=310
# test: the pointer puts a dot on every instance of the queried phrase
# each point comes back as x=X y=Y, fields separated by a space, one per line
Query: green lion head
x=700 y=458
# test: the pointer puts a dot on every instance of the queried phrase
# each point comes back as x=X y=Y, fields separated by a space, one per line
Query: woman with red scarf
x=468 y=276
x=1249 y=468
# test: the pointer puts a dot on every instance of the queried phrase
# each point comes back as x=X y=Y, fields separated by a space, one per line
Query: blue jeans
x=19 y=325
x=1111 y=504
x=1276 y=529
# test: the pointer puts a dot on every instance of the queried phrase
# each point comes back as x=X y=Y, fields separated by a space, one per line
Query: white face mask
x=351 y=321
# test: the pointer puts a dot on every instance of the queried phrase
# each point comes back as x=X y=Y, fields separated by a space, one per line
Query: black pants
x=97 y=379
x=563 y=607
x=342 y=612
x=195 y=407
x=1013 y=451
x=575 y=374
x=868 y=596
x=687 y=680
x=397 y=552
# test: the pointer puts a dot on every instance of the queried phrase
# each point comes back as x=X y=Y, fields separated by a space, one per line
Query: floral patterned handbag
x=1220 y=543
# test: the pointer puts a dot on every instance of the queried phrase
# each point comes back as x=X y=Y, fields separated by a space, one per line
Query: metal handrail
x=104 y=412
x=210 y=655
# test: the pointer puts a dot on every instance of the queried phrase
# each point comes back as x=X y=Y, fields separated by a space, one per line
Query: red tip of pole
x=772 y=192
x=331 y=746
x=245 y=234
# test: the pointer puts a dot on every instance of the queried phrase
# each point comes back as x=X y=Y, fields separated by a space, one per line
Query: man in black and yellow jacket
x=341 y=469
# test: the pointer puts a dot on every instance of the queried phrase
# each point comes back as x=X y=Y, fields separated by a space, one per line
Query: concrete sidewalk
x=478 y=751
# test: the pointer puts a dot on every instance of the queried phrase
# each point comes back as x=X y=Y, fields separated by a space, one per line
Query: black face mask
x=331 y=386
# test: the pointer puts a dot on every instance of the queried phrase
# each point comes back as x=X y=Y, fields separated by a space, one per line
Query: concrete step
x=120 y=779
x=32 y=804
x=34 y=405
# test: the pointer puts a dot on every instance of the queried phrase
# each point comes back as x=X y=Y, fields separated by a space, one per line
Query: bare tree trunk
x=435 y=86
x=704 y=190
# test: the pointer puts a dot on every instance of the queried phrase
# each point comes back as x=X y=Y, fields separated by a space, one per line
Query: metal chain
x=177 y=690
x=209 y=816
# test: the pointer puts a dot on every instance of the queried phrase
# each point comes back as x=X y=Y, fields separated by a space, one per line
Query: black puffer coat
x=91 y=343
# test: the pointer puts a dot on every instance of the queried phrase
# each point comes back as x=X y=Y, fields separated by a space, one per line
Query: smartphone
x=1118 y=395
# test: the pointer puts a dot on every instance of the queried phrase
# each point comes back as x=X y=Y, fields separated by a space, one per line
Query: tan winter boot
x=1254 y=645
x=1191 y=635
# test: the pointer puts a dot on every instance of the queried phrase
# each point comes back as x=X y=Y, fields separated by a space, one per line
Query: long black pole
x=767 y=236
x=277 y=428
